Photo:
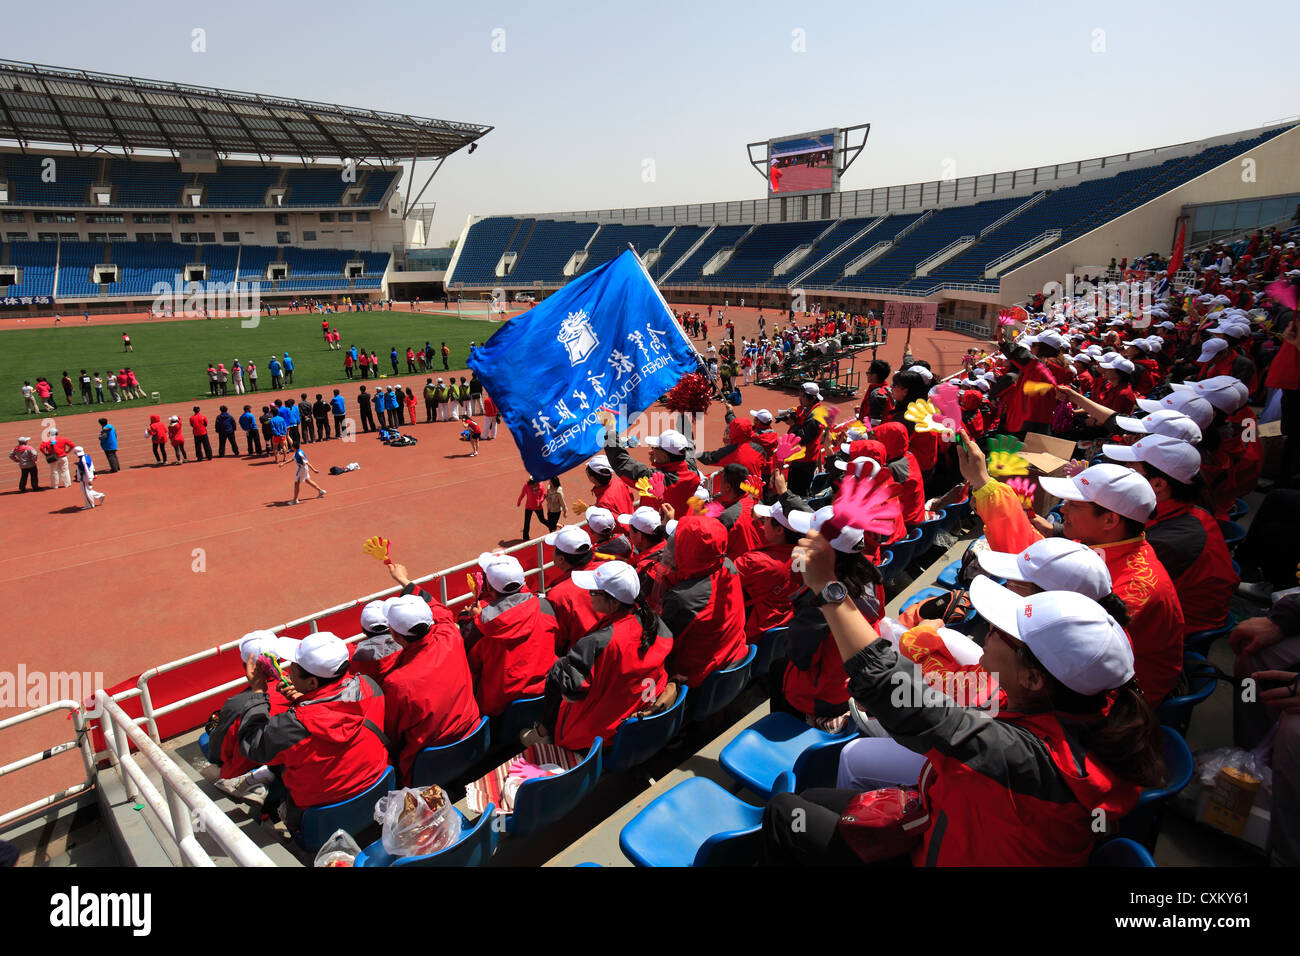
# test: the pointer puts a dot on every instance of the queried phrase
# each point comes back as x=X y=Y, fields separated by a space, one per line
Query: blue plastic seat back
x=1143 y=823
x=721 y=687
x=781 y=744
x=959 y=511
x=640 y=738
x=924 y=595
x=1176 y=712
x=475 y=845
x=543 y=800
x=1200 y=641
x=442 y=765
x=819 y=484
x=351 y=815
x=771 y=644
x=203 y=745
x=887 y=567
x=1238 y=510
x=928 y=531
x=1233 y=533
x=948 y=576
x=519 y=716
x=905 y=550
x=1121 y=852
x=696 y=823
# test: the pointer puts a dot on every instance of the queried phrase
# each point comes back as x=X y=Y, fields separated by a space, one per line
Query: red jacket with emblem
x=705 y=609
x=511 y=647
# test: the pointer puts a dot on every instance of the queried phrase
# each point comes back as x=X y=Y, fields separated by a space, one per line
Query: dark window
x=282 y=219
x=363 y=217
x=189 y=237
x=230 y=237
x=185 y=218
x=207 y=237
x=308 y=236
x=283 y=238
x=327 y=217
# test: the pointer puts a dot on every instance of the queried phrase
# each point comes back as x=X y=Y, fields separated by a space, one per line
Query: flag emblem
x=577 y=335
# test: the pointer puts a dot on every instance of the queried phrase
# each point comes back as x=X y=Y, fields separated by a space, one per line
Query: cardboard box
x=1047 y=456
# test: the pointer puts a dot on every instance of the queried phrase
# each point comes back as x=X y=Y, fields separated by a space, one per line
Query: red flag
x=1176 y=260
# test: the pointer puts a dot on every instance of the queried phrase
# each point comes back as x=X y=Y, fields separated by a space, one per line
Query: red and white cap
x=600 y=520
x=1112 y=487
x=1052 y=564
x=503 y=572
x=644 y=519
x=408 y=615
x=1178 y=459
x=570 y=539
x=616 y=578
x=671 y=441
x=320 y=654
x=1167 y=422
x=261 y=642
x=1071 y=635
x=863 y=466
x=1187 y=402
x=849 y=540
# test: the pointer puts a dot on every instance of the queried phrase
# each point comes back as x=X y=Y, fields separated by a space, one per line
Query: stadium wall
x=1152 y=227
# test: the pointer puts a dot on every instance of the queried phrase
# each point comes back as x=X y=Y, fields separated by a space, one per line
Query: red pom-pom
x=691 y=394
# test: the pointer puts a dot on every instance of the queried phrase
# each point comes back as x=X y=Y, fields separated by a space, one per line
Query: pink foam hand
x=1024 y=489
x=867 y=503
x=657 y=485
x=1282 y=292
x=713 y=509
x=786 y=446
x=947 y=398
x=519 y=767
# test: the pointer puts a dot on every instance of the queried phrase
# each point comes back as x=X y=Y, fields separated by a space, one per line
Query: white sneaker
x=321 y=494
x=241 y=788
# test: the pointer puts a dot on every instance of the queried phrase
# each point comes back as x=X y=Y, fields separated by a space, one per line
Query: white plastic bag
x=417 y=822
x=339 y=850
x=1209 y=763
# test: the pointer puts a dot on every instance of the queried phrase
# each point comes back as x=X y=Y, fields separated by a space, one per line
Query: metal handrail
x=1054 y=234
x=1031 y=201
x=948 y=248
x=184 y=802
x=81 y=741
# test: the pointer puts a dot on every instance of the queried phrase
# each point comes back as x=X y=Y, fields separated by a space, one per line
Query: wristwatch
x=833 y=593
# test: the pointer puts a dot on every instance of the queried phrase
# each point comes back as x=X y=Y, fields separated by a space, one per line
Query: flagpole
x=664 y=302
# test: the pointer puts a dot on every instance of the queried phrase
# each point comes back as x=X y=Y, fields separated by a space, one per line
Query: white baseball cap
x=1211 y=348
x=1071 y=635
x=600 y=465
x=570 y=540
x=863 y=466
x=1187 y=402
x=406 y=613
x=644 y=519
x=257 y=642
x=1117 y=362
x=1053 y=339
x=671 y=441
x=777 y=513
x=1224 y=392
x=374 y=616
x=848 y=540
x=616 y=578
x=599 y=520
x=1112 y=487
x=762 y=416
x=503 y=571
x=1052 y=564
x=1167 y=421
x=812 y=388
x=320 y=654
x=1176 y=458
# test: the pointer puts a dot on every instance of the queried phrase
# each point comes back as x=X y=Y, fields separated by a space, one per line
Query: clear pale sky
x=584 y=93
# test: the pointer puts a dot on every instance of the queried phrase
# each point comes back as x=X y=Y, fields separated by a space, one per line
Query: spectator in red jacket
x=377 y=653
x=56 y=449
x=532 y=495
x=574 y=613
x=902 y=464
x=766 y=580
x=199 y=425
x=329 y=741
x=157 y=434
x=668 y=457
x=649 y=537
x=704 y=609
x=608 y=490
x=510 y=640
x=737 y=516
x=430 y=691
x=610 y=674
x=176 y=436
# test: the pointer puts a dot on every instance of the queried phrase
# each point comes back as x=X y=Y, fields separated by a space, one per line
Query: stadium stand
x=756 y=257
x=548 y=247
x=690 y=271
x=37 y=260
x=613 y=239
x=146 y=184
x=62 y=181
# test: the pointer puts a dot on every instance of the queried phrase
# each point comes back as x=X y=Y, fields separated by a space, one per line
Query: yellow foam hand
x=921 y=413
x=378 y=548
x=643 y=488
x=752 y=489
x=1005 y=459
x=1038 y=389
x=578 y=508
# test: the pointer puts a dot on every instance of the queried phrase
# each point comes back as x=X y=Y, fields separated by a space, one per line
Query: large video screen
x=801 y=164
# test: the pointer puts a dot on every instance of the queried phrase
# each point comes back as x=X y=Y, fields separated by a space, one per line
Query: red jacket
x=532 y=495
x=1155 y=615
x=742 y=533
x=328 y=743
x=605 y=678
x=430 y=691
x=1023 y=409
x=1189 y=543
x=705 y=609
x=157 y=430
x=768 y=585
x=1014 y=790
x=175 y=434
x=616 y=497
x=906 y=470
x=199 y=423
x=375 y=656
x=511 y=649
x=574 y=615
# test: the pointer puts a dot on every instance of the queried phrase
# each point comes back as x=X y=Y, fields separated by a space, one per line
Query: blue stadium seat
x=720 y=688
x=640 y=738
x=948 y=576
x=519 y=716
x=1200 y=641
x=1121 y=852
x=928 y=531
x=1233 y=534
x=442 y=765
x=1176 y=712
x=696 y=823
x=203 y=745
x=474 y=847
x=1143 y=823
x=1239 y=509
x=352 y=815
x=781 y=743
x=543 y=800
x=771 y=644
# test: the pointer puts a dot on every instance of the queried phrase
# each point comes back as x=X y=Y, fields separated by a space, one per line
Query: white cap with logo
x=1187 y=402
x=848 y=540
x=600 y=465
x=599 y=520
x=409 y=615
x=1167 y=421
x=503 y=571
x=1112 y=487
x=761 y=415
x=1071 y=635
x=374 y=616
x=616 y=578
x=1052 y=564
x=1176 y=458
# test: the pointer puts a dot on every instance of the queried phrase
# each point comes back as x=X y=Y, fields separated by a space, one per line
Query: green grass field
x=172 y=358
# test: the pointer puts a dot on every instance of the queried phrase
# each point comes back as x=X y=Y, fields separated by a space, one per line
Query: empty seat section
x=758 y=254
x=675 y=247
x=377 y=184
x=548 y=249
x=253 y=260
x=70 y=179
x=220 y=261
x=315 y=187
x=75 y=262
x=238 y=185
x=833 y=268
x=613 y=240
x=376 y=262
x=146 y=184
x=36 y=259
x=142 y=264
x=319 y=263
x=485 y=244
x=720 y=238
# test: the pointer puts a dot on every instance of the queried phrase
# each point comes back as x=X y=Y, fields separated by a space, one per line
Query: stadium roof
x=43 y=104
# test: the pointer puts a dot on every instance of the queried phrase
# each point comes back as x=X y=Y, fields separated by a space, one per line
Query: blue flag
x=605 y=340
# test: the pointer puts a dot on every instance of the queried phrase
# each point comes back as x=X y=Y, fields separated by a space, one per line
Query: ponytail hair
x=1114 y=605
x=1126 y=739
x=649 y=621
